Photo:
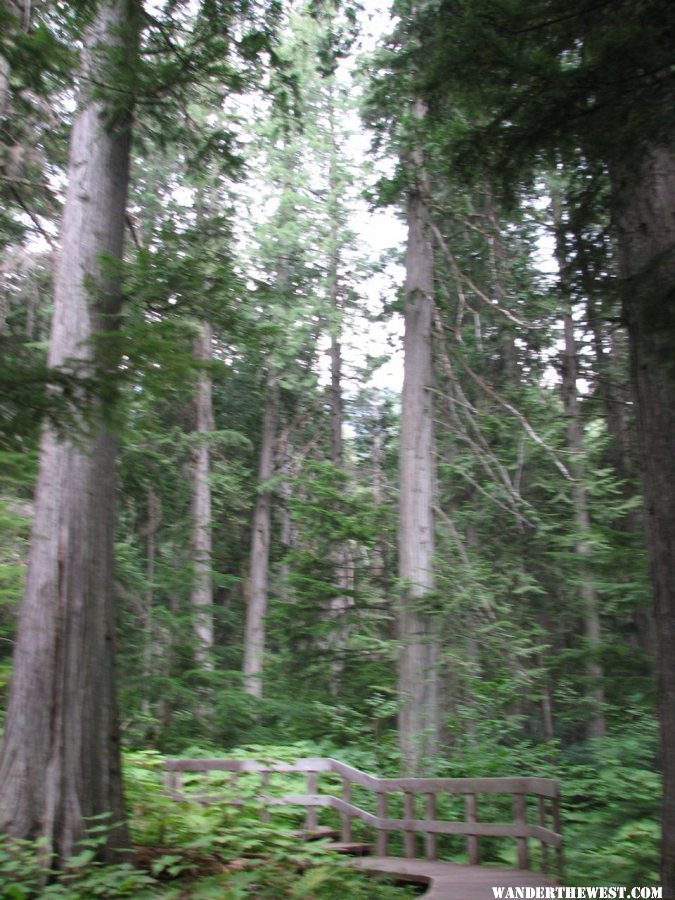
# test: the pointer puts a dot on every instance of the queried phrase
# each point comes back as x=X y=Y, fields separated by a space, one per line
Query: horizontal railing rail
x=544 y=790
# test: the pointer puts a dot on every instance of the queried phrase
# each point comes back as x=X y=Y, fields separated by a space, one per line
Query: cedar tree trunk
x=644 y=214
x=60 y=760
x=417 y=677
x=201 y=595
x=256 y=607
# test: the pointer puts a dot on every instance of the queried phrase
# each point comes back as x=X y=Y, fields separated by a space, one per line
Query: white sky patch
x=380 y=231
x=380 y=234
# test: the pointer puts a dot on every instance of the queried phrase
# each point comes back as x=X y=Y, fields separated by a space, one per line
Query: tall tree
x=596 y=79
x=60 y=760
x=201 y=595
x=258 y=578
x=418 y=662
x=644 y=212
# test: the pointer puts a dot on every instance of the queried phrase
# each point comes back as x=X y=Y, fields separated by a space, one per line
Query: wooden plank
x=355 y=776
x=312 y=815
x=321 y=832
x=408 y=832
x=345 y=816
x=557 y=825
x=545 y=835
x=546 y=787
x=247 y=765
x=300 y=800
x=482 y=829
x=354 y=848
x=472 y=847
x=541 y=808
x=355 y=812
x=382 y=839
x=519 y=814
x=430 y=838
x=511 y=785
x=507 y=785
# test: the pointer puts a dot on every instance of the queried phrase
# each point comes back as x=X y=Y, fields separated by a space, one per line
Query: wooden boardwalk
x=409 y=807
x=451 y=881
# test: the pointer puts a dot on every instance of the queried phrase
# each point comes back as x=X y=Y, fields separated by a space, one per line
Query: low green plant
x=25 y=872
x=611 y=795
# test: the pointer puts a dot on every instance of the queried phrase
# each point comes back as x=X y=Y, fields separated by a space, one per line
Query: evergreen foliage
x=242 y=214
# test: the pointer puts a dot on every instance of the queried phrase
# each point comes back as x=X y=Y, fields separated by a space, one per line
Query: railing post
x=382 y=839
x=346 y=830
x=557 y=827
x=311 y=816
x=430 y=837
x=408 y=835
x=519 y=809
x=170 y=785
x=541 y=803
x=472 y=839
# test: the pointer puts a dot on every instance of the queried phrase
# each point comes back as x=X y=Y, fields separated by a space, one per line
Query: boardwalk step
x=350 y=848
x=317 y=834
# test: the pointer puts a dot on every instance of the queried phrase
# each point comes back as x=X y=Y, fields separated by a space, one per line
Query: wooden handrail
x=545 y=791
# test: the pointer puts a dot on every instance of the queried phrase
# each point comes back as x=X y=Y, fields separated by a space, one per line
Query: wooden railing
x=544 y=790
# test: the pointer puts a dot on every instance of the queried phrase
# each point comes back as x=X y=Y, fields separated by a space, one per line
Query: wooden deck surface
x=452 y=881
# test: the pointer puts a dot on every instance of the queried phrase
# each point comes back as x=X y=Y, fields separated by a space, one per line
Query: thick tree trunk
x=201 y=595
x=60 y=759
x=256 y=607
x=644 y=215
x=418 y=676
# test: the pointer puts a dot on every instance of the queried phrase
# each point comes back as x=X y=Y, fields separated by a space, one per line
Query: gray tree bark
x=418 y=660
x=60 y=759
x=643 y=193
x=201 y=594
x=256 y=606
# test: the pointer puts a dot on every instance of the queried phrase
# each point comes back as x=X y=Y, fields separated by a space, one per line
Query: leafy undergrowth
x=188 y=850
